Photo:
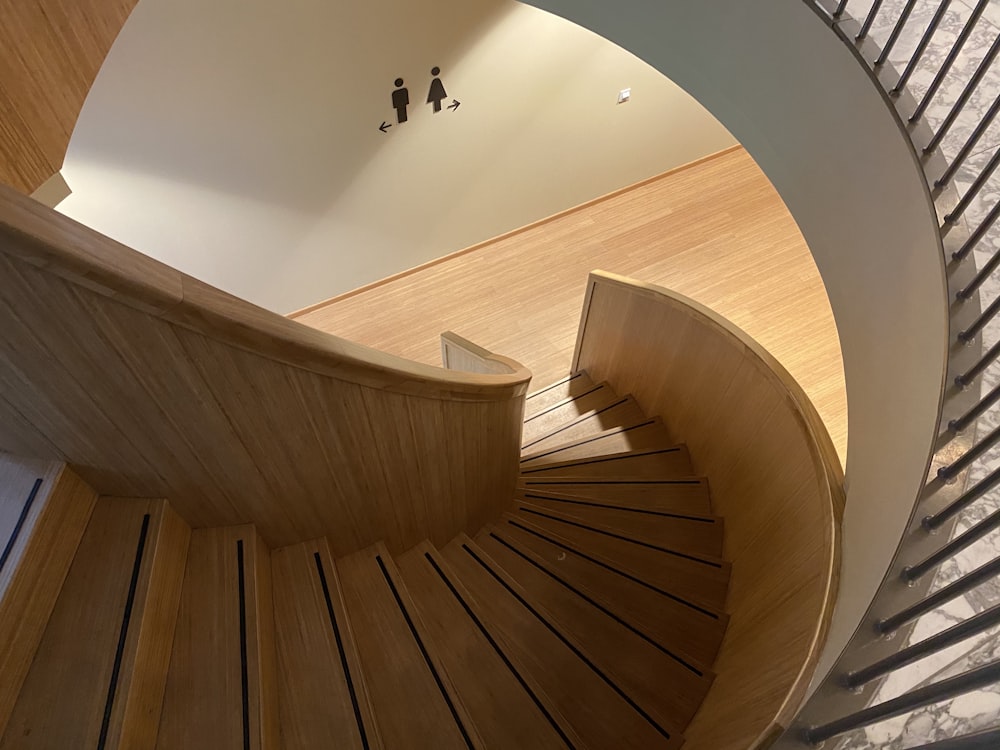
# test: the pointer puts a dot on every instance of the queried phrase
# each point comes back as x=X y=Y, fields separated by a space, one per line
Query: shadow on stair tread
x=553 y=416
x=656 y=678
x=647 y=433
x=622 y=411
x=694 y=631
x=699 y=580
x=564 y=388
x=599 y=709
x=684 y=496
x=692 y=534
x=647 y=463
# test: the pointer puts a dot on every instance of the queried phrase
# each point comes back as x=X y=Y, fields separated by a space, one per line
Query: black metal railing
x=941 y=595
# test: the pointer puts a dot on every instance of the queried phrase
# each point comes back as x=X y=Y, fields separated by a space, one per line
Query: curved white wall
x=796 y=98
x=240 y=141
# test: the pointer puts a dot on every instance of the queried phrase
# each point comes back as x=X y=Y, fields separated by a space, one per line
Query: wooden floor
x=715 y=231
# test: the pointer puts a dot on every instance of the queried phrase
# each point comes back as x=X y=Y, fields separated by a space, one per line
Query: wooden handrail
x=776 y=479
x=65 y=248
x=152 y=383
x=458 y=353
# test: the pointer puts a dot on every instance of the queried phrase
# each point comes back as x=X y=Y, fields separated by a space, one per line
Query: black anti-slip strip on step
x=578 y=420
x=579 y=654
x=564 y=402
x=578 y=443
x=25 y=510
x=611 y=534
x=500 y=653
x=423 y=651
x=109 y=702
x=573 y=589
x=340 y=648
x=244 y=670
x=601 y=459
x=616 y=571
x=595 y=504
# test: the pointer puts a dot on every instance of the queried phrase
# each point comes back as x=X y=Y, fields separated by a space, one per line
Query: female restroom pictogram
x=437 y=92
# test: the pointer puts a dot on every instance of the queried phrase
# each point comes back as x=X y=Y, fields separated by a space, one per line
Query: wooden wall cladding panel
x=50 y=52
x=93 y=668
x=220 y=686
x=152 y=384
x=37 y=562
x=776 y=480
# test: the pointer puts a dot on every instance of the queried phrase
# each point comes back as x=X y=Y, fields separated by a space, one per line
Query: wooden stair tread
x=323 y=698
x=409 y=695
x=47 y=508
x=695 y=534
x=699 y=580
x=642 y=435
x=568 y=387
x=623 y=410
x=560 y=413
x=690 y=495
x=660 y=681
x=694 y=632
x=94 y=669
x=598 y=709
x=505 y=713
x=649 y=463
x=219 y=691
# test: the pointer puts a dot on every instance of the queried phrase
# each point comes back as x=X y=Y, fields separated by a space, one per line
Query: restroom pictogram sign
x=401 y=100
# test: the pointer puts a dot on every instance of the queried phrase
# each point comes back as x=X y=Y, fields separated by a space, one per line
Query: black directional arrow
x=455 y=104
x=384 y=126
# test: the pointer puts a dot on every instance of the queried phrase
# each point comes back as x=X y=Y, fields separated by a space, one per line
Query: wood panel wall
x=153 y=384
x=50 y=54
x=775 y=478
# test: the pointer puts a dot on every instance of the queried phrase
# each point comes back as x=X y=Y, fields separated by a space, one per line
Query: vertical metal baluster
x=971 y=193
x=967 y=92
x=896 y=31
x=956 y=48
x=840 y=9
x=973 y=240
x=963 y=154
x=867 y=25
x=922 y=47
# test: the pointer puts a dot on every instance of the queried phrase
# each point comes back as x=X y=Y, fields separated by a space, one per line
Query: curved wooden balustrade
x=153 y=384
x=775 y=478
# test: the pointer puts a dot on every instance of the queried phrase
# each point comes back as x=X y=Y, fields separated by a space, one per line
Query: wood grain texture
x=316 y=706
x=716 y=231
x=410 y=707
x=500 y=707
x=259 y=419
x=776 y=479
x=598 y=712
x=30 y=588
x=649 y=433
x=663 y=687
x=146 y=659
x=203 y=699
x=694 y=633
x=73 y=670
x=50 y=52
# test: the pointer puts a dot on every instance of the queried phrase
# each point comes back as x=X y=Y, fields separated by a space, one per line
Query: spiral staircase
x=587 y=616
